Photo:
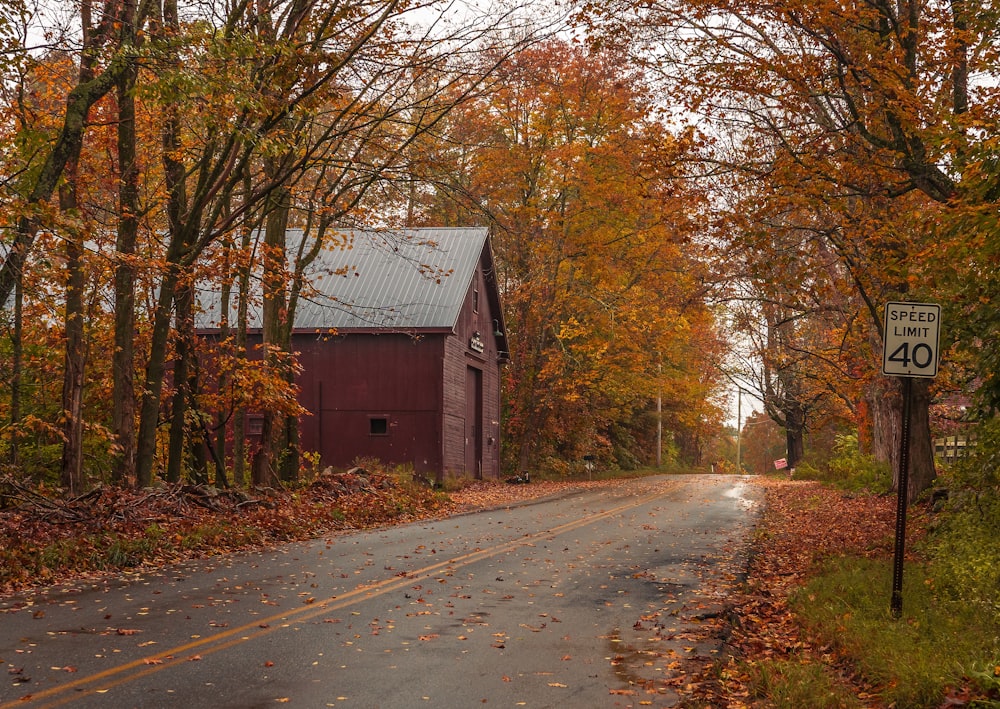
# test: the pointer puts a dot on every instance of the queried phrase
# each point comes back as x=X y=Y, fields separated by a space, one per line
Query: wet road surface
x=582 y=600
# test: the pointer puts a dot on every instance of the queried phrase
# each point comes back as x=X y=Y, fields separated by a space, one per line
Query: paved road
x=577 y=601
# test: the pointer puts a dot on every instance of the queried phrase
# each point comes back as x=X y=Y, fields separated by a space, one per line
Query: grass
x=937 y=644
x=793 y=685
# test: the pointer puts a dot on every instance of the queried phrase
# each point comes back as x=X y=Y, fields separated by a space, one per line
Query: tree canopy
x=682 y=193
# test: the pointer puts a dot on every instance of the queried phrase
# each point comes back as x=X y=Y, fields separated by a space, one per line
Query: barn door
x=474 y=422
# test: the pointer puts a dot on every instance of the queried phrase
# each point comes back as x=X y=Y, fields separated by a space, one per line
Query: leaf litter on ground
x=47 y=539
x=803 y=523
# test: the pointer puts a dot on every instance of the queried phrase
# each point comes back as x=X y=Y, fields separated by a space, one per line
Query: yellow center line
x=262 y=626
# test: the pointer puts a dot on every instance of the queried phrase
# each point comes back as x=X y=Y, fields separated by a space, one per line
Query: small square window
x=255 y=426
x=378 y=426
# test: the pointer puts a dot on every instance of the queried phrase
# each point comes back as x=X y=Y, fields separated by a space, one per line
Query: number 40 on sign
x=912 y=335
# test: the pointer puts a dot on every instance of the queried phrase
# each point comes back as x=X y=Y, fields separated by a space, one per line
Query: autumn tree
x=269 y=74
x=871 y=101
x=568 y=161
x=328 y=101
x=108 y=45
x=209 y=126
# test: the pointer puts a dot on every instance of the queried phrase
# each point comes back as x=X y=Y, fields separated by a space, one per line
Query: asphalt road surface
x=581 y=600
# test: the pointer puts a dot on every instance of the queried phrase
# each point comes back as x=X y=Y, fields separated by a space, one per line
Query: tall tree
x=259 y=83
x=568 y=160
x=869 y=100
x=123 y=356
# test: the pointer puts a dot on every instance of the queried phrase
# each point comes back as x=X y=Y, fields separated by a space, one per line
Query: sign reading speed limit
x=912 y=334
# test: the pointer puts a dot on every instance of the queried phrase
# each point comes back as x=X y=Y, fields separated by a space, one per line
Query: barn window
x=378 y=426
x=255 y=426
x=475 y=299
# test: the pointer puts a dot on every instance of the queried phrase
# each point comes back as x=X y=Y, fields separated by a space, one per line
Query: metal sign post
x=912 y=336
x=899 y=548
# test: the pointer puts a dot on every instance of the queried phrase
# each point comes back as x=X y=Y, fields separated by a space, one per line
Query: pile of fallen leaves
x=47 y=538
x=803 y=523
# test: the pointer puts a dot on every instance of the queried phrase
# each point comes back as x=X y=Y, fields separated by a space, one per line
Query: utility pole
x=739 y=428
x=659 y=415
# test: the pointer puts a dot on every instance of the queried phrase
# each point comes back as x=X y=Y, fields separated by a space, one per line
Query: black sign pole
x=901 y=494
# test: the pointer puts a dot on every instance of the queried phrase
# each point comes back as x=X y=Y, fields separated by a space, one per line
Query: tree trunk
x=149 y=411
x=240 y=412
x=71 y=476
x=922 y=469
x=887 y=420
x=275 y=446
x=179 y=236
x=885 y=416
x=17 y=368
x=218 y=444
x=199 y=436
x=123 y=357
x=794 y=444
x=274 y=260
x=182 y=368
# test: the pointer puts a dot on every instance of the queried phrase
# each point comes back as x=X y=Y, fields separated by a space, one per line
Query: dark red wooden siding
x=347 y=381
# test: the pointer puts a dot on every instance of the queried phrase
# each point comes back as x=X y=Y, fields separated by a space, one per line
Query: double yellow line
x=130 y=671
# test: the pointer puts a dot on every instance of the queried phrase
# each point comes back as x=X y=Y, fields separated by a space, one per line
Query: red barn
x=400 y=340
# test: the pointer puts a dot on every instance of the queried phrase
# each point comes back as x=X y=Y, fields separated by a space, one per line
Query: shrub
x=965 y=559
x=848 y=468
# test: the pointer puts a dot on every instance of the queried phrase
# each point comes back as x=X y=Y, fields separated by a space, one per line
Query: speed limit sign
x=912 y=335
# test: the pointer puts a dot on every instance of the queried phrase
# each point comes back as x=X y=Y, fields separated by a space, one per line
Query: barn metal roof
x=399 y=280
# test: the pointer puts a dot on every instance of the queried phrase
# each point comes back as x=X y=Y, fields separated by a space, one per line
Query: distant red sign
x=780 y=464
